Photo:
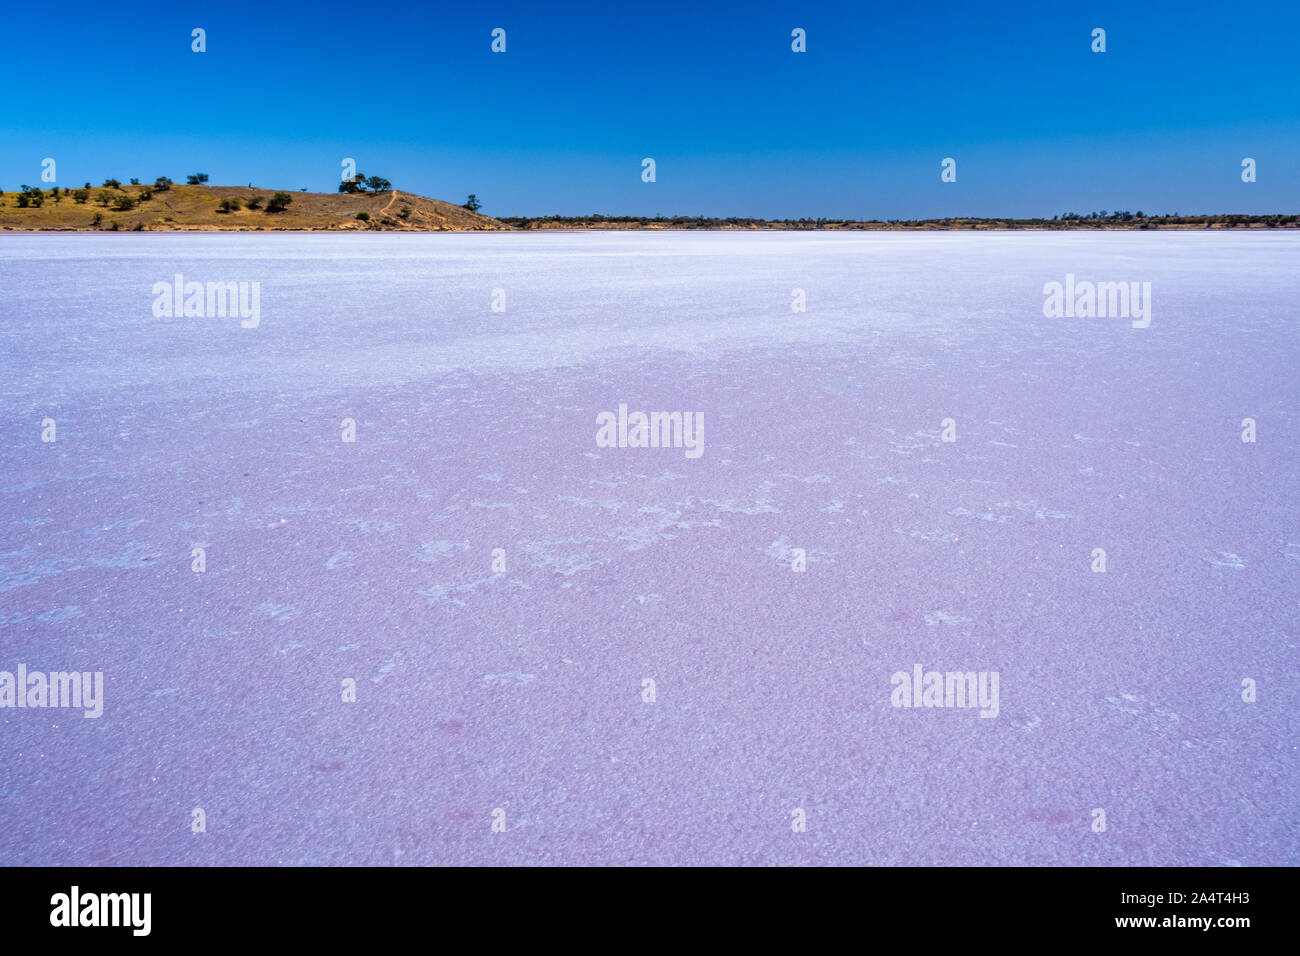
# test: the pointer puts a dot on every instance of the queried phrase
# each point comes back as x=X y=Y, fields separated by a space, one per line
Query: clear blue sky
x=737 y=123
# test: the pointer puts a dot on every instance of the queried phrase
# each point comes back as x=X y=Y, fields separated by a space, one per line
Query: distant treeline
x=1070 y=220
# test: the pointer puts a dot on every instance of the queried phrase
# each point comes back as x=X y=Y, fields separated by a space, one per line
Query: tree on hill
x=112 y=184
x=353 y=184
x=472 y=203
x=196 y=179
x=279 y=202
x=162 y=184
x=378 y=184
x=255 y=202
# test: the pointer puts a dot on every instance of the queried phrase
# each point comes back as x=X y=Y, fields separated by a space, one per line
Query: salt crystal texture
x=522 y=688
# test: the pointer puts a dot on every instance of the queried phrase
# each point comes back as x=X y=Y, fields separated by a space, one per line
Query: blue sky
x=737 y=123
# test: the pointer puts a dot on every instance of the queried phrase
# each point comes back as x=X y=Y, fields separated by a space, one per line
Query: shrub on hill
x=279 y=202
x=79 y=196
x=162 y=184
x=196 y=179
x=255 y=202
x=124 y=203
x=228 y=205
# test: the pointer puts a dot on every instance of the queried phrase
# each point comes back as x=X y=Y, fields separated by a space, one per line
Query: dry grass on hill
x=199 y=208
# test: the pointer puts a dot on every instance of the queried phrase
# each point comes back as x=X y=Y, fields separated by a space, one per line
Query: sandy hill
x=199 y=208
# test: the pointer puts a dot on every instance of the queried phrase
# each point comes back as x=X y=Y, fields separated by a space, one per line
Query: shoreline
x=201 y=207
x=1190 y=227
